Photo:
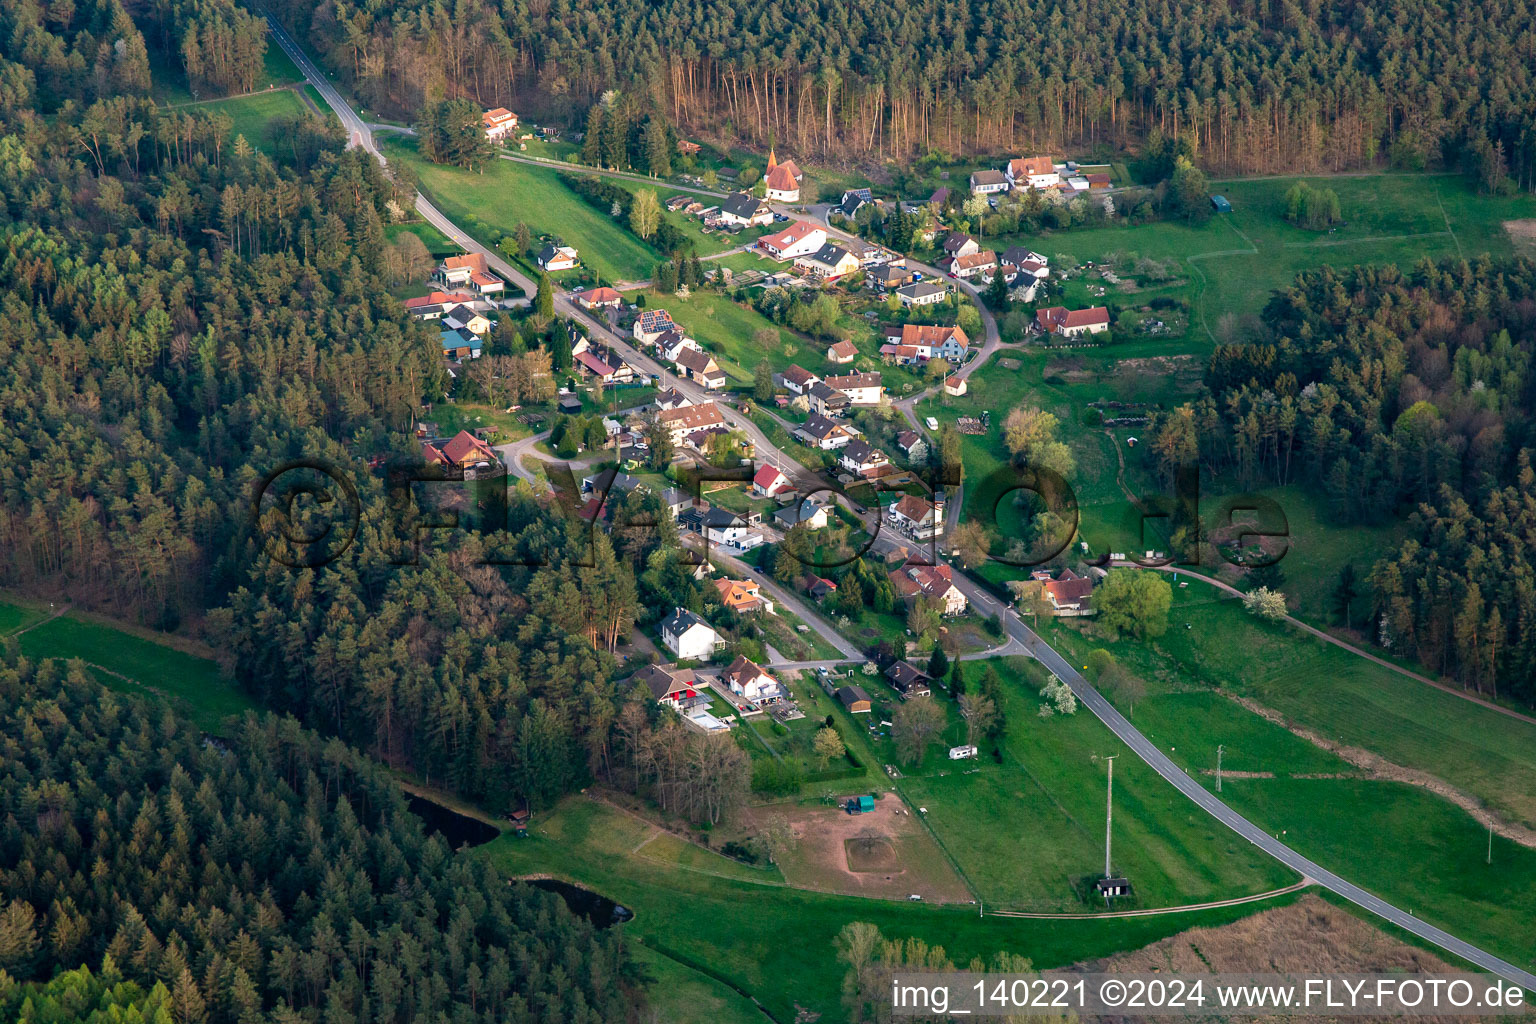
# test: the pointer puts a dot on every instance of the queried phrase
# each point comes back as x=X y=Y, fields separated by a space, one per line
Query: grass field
x=126 y=660
x=436 y=242
x=168 y=79
x=774 y=941
x=677 y=992
x=490 y=204
x=252 y=115
x=1235 y=260
x=1029 y=833
x=1340 y=696
x=726 y=329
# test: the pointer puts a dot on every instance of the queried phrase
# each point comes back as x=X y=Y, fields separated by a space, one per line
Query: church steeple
x=772 y=163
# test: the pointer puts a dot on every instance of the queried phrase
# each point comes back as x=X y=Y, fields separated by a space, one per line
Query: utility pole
x=1109 y=814
x=1490 y=839
x=1219 y=749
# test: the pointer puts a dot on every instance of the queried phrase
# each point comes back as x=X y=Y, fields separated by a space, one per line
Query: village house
x=461 y=317
x=853 y=199
x=954 y=385
x=891 y=275
x=672 y=398
x=934 y=582
x=801 y=238
x=909 y=680
x=988 y=182
x=820 y=432
x=652 y=324
x=469 y=270
x=915 y=343
x=861 y=388
x=967 y=267
x=599 y=298
x=829 y=263
x=818 y=587
x=748 y=680
x=556 y=257
x=699 y=366
x=461 y=450
x=460 y=344
x=768 y=482
x=671 y=687
x=744 y=210
x=782 y=181
x=721 y=527
x=498 y=123
x=671 y=345
x=827 y=400
x=434 y=304
x=742 y=596
x=1032 y=172
x=842 y=352
x=917 y=517
x=1069 y=593
x=689 y=637
x=807 y=513
x=863 y=459
x=922 y=293
x=853 y=699
x=912 y=446
x=957 y=244
x=681 y=422
x=797 y=379
x=1070 y=323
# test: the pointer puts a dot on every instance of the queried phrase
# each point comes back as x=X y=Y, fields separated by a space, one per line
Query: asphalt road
x=1012 y=624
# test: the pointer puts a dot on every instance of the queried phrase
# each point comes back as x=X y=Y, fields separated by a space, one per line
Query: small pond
x=459 y=829
x=600 y=910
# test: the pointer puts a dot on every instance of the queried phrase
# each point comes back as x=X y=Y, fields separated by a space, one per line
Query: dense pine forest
x=1258 y=85
x=275 y=878
x=1399 y=393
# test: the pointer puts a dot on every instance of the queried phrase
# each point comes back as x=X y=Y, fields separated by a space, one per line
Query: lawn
x=1235 y=260
x=16 y=616
x=776 y=942
x=727 y=330
x=676 y=991
x=193 y=685
x=490 y=204
x=437 y=243
x=1407 y=846
x=1338 y=695
x=252 y=115
x=1029 y=832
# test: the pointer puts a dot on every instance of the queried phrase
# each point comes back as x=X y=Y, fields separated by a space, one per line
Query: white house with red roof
x=469 y=270
x=1032 y=172
x=800 y=238
x=769 y=482
x=1068 y=592
x=1070 y=323
x=498 y=123
x=599 y=298
x=782 y=180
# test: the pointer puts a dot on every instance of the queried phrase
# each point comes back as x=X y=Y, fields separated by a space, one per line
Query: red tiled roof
x=796 y=232
x=468 y=261
x=782 y=179
x=598 y=297
x=466 y=446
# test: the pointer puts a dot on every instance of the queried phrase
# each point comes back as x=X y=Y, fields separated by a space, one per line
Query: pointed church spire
x=772 y=163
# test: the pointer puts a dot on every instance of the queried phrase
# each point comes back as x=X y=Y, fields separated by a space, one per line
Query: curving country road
x=1014 y=626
